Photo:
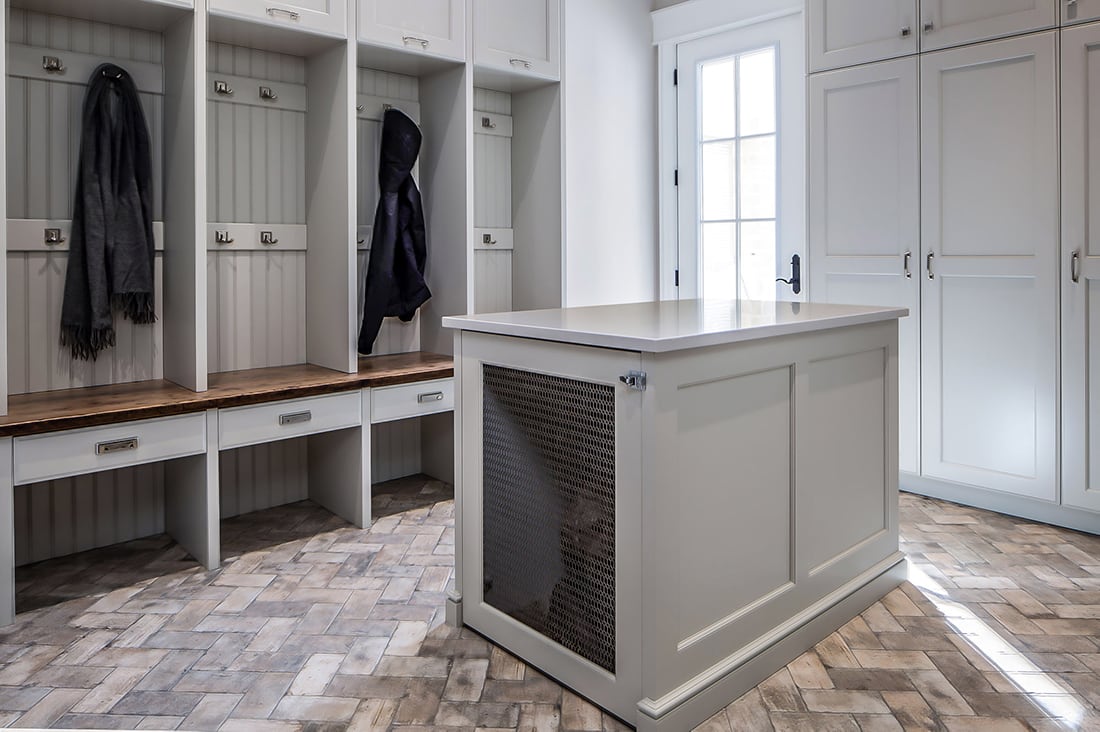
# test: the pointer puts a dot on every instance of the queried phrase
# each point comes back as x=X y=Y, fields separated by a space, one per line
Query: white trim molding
x=698 y=18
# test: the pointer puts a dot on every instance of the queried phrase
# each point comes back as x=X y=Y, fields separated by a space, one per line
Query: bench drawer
x=77 y=452
x=243 y=426
x=412 y=400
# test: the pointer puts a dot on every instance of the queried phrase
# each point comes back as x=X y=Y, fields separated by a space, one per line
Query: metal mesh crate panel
x=549 y=507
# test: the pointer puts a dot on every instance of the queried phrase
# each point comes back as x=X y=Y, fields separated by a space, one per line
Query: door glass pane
x=738 y=176
x=757 y=92
x=719 y=255
x=720 y=180
x=757 y=260
x=717 y=87
x=758 y=178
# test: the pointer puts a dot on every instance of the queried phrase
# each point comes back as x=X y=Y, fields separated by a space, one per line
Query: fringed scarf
x=111 y=248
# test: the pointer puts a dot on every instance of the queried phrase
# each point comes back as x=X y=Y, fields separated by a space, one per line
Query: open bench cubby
x=265 y=130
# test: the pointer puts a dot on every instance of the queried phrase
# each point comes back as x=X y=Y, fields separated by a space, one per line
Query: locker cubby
x=516 y=231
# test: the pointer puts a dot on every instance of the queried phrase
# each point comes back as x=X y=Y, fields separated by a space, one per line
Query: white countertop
x=673 y=325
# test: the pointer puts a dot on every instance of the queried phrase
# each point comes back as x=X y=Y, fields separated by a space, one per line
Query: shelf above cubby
x=155 y=15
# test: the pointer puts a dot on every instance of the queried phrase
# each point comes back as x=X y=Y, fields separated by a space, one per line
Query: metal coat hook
x=488 y=123
x=360 y=107
x=267 y=93
x=488 y=239
x=268 y=238
x=53 y=236
x=223 y=88
x=53 y=65
x=222 y=237
x=387 y=107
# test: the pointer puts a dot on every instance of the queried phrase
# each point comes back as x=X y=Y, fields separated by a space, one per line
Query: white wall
x=610 y=152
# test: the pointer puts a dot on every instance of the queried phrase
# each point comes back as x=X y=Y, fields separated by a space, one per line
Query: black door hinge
x=676 y=177
x=675 y=77
x=677 y=278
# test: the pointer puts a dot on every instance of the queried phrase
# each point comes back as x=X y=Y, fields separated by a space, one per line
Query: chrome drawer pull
x=424 y=42
x=289 y=14
x=435 y=396
x=107 y=448
x=520 y=62
x=295 y=418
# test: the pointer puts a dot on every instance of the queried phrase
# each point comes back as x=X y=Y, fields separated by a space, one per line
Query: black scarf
x=111 y=248
x=395 y=275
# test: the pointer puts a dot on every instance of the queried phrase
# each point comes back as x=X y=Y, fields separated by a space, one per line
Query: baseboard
x=1019 y=506
x=703 y=704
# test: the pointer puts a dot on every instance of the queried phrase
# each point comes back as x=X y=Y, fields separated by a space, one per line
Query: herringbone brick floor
x=317 y=626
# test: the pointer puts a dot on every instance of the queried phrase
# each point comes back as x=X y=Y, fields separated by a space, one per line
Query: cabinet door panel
x=1080 y=11
x=989 y=232
x=864 y=208
x=1081 y=298
x=434 y=27
x=322 y=16
x=850 y=32
x=518 y=35
x=946 y=23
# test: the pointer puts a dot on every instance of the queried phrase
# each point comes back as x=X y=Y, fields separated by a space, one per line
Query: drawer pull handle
x=520 y=62
x=108 y=448
x=295 y=418
x=288 y=14
x=435 y=396
x=424 y=42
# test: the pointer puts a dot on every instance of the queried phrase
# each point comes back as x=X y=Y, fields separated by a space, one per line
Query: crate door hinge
x=635 y=380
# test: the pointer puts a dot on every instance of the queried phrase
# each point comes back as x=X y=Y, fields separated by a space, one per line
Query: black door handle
x=796 y=275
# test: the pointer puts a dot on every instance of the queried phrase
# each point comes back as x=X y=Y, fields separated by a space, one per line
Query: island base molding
x=1031 y=509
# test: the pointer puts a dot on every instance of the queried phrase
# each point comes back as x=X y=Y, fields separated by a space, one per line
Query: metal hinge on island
x=634 y=380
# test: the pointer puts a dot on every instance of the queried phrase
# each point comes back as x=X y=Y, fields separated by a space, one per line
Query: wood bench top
x=52 y=411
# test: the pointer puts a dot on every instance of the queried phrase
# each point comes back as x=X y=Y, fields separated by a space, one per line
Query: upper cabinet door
x=946 y=23
x=1080 y=267
x=864 y=160
x=328 y=17
x=434 y=27
x=989 y=228
x=518 y=35
x=850 y=32
x=1079 y=11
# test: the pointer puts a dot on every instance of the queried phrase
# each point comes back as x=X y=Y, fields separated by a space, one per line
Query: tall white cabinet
x=934 y=184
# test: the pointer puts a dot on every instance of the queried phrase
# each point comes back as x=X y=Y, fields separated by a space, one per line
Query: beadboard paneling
x=36 y=360
x=44 y=117
x=492 y=182
x=489 y=100
x=256 y=305
x=61 y=517
x=395 y=336
x=492 y=281
x=395 y=450
x=263 y=476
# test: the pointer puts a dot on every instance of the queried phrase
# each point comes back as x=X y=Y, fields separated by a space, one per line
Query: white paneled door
x=1081 y=267
x=850 y=32
x=1079 y=11
x=946 y=23
x=864 y=208
x=329 y=17
x=520 y=35
x=741 y=163
x=989 y=200
x=436 y=27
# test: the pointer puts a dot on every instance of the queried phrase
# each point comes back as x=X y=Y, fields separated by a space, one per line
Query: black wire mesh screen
x=549 y=507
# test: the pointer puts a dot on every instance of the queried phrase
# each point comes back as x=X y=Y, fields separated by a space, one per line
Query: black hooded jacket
x=395 y=275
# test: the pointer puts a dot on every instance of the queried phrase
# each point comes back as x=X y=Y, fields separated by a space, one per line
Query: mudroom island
x=660 y=504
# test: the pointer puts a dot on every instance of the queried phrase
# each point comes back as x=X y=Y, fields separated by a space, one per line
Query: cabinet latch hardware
x=222 y=236
x=106 y=448
x=424 y=42
x=435 y=396
x=223 y=88
x=928 y=264
x=288 y=14
x=268 y=94
x=53 y=236
x=634 y=380
x=488 y=239
x=908 y=272
x=53 y=65
x=295 y=418
x=1075 y=266
x=268 y=238
x=520 y=62
x=488 y=123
